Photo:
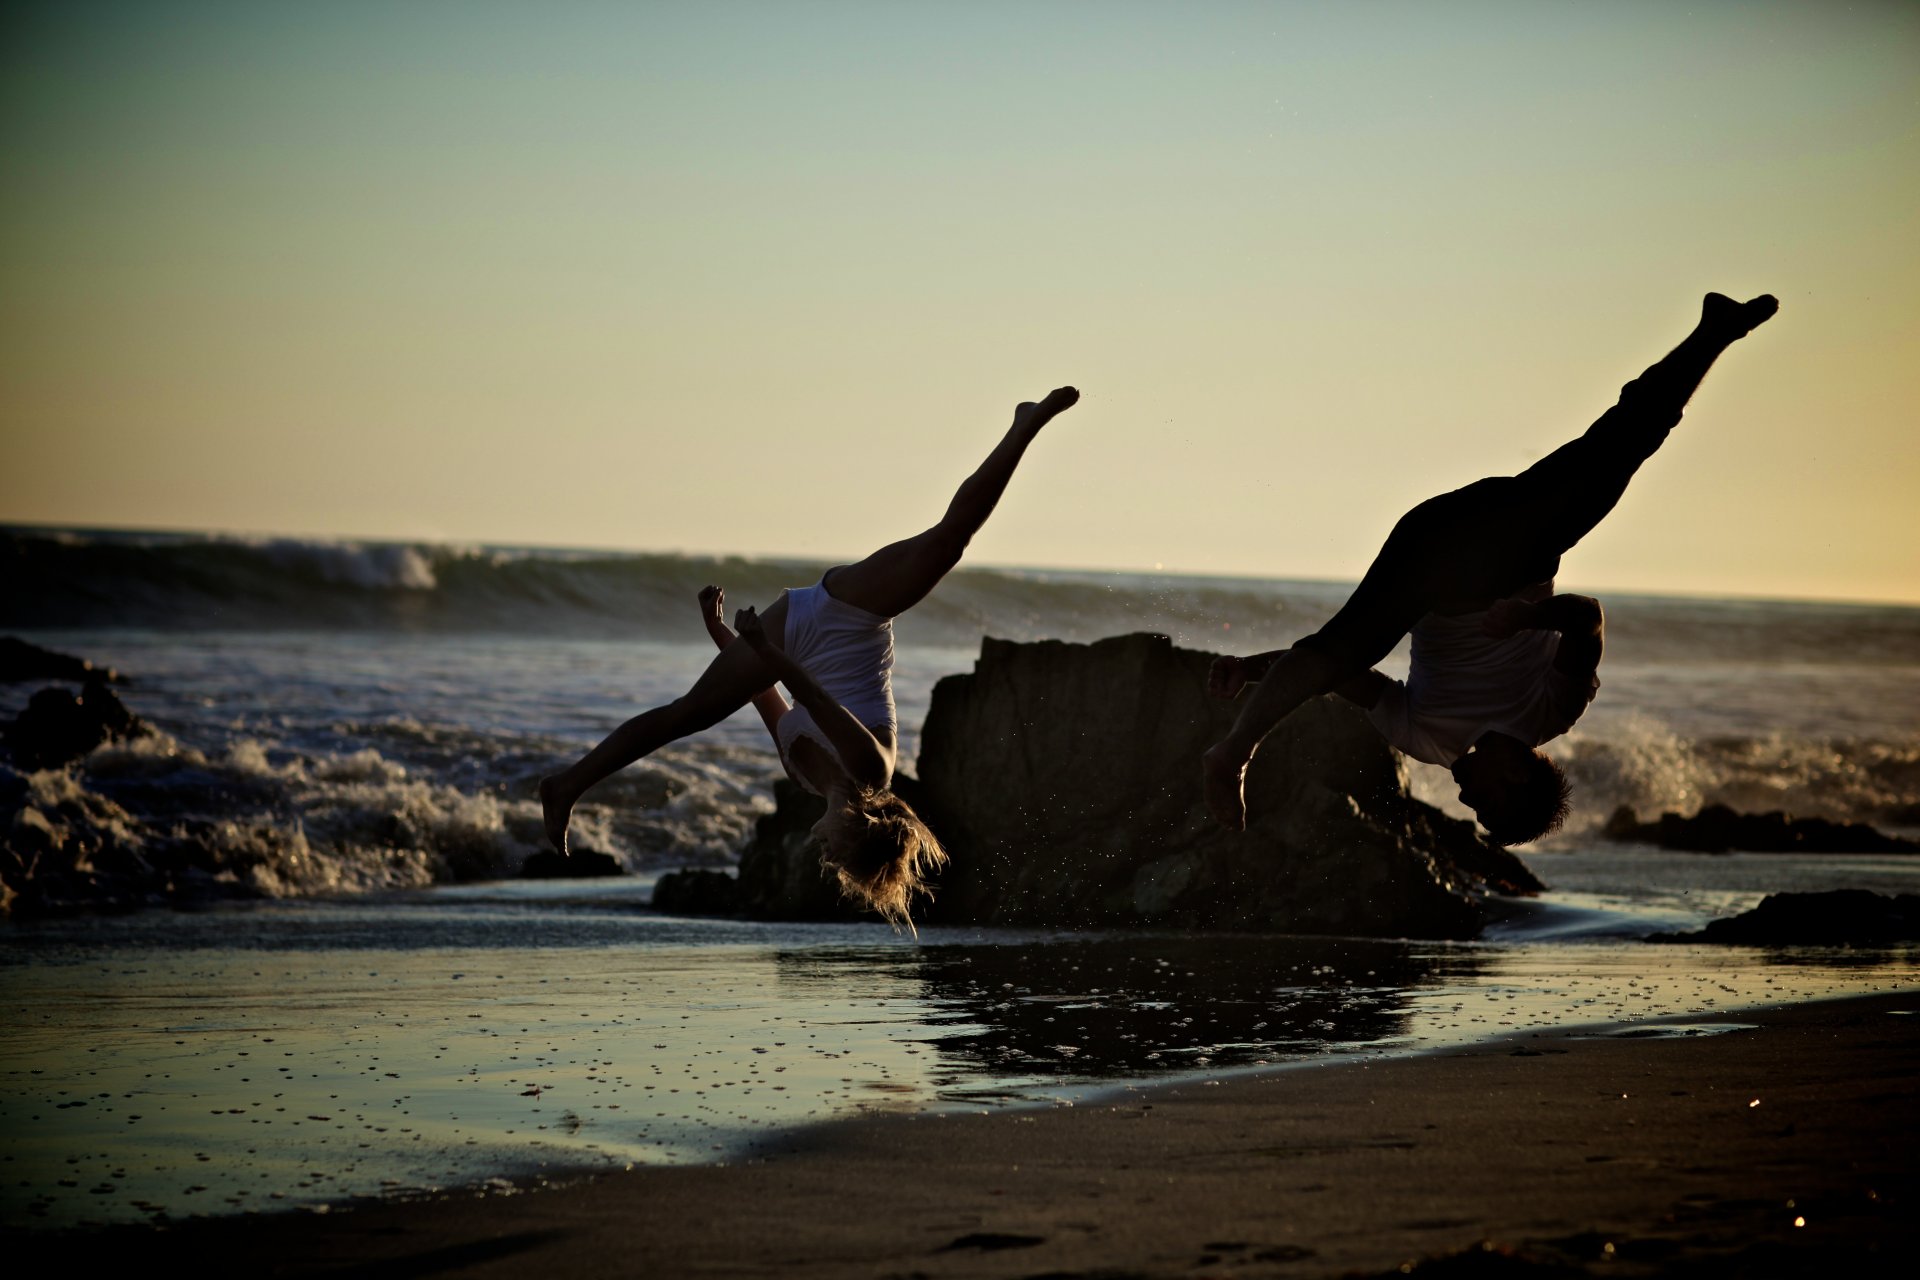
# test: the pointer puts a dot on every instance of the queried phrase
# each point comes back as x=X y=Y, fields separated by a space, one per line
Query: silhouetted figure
x=1500 y=664
x=831 y=644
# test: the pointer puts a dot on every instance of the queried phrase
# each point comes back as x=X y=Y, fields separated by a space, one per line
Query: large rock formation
x=1065 y=781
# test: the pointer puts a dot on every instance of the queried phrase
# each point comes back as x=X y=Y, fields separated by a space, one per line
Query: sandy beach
x=1782 y=1149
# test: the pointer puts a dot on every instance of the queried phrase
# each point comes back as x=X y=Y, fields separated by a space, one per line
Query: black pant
x=1465 y=549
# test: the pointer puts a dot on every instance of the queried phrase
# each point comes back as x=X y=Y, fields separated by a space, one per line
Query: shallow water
x=299 y=1054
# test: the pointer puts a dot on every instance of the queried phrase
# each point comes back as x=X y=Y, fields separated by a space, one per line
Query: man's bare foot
x=1732 y=319
x=555 y=810
x=1034 y=416
x=1222 y=777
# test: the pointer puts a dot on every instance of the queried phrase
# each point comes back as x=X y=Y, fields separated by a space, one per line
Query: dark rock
x=22 y=661
x=582 y=863
x=695 y=892
x=1903 y=815
x=1838 y=917
x=780 y=873
x=1719 y=829
x=1064 y=780
x=57 y=727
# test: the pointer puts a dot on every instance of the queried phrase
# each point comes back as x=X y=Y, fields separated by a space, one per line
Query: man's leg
x=1576 y=485
x=1401 y=584
x=899 y=575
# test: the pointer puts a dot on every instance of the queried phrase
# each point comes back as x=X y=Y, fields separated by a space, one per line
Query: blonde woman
x=831 y=644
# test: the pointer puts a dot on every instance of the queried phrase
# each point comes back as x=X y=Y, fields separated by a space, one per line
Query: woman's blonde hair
x=889 y=861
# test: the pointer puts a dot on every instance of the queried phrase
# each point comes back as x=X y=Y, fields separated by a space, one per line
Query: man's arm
x=867 y=761
x=1579 y=619
x=1230 y=675
x=1296 y=675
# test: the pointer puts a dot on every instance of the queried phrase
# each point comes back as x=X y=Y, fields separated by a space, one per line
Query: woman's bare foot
x=1731 y=319
x=556 y=808
x=1223 y=774
x=1034 y=416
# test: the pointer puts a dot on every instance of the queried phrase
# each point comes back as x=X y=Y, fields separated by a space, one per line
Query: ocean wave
x=76 y=581
x=1648 y=767
x=153 y=815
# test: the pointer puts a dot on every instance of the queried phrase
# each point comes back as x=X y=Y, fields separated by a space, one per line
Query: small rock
x=1838 y=917
x=22 y=661
x=1719 y=829
x=697 y=893
x=547 y=865
x=57 y=728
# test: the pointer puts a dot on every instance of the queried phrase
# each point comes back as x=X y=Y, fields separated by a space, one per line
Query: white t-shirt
x=1462 y=683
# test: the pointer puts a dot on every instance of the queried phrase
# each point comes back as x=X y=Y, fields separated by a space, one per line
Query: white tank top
x=850 y=653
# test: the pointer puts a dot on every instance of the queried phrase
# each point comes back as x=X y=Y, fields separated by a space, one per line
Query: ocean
x=354 y=729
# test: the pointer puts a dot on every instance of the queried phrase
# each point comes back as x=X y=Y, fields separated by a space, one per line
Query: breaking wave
x=252 y=820
x=80 y=581
x=1652 y=769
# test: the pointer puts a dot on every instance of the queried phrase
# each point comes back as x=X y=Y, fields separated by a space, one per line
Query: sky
x=768 y=278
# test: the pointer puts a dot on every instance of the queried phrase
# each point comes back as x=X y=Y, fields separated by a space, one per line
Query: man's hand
x=747 y=624
x=713 y=605
x=1227 y=677
x=1509 y=616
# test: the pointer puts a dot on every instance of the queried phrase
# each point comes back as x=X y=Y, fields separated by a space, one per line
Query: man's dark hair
x=1534 y=808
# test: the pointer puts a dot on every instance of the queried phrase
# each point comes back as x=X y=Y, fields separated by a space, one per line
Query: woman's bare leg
x=899 y=575
x=730 y=681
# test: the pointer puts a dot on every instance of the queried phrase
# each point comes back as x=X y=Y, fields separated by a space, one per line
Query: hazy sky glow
x=767 y=278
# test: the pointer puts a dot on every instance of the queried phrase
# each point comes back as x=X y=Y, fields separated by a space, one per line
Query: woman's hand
x=713 y=604
x=747 y=624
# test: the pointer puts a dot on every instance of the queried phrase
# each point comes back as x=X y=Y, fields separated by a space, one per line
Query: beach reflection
x=1003 y=1019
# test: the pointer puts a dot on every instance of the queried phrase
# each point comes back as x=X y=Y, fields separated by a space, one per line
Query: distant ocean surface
x=373 y=715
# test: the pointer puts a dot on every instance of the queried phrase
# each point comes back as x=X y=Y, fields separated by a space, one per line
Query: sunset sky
x=768 y=277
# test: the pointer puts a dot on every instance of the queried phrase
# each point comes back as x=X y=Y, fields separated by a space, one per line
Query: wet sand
x=1782 y=1149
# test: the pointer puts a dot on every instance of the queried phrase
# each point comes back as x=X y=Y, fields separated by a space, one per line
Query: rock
x=57 y=728
x=1903 y=815
x=1838 y=917
x=582 y=863
x=780 y=874
x=1064 y=780
x=22 y=661
x=1718 y=829
x=694 y=892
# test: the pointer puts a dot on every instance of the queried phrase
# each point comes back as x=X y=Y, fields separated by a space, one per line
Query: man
x=1500 y=663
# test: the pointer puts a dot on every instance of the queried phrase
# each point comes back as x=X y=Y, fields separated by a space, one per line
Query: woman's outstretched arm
x=768 y=702
x=867 y=760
